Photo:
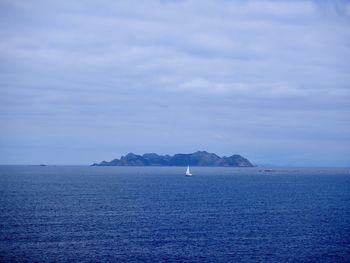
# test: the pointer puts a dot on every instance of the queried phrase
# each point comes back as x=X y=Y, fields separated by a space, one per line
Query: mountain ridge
x=199 y=158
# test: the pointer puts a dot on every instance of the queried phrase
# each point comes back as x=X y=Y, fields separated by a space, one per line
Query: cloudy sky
x=85 y=81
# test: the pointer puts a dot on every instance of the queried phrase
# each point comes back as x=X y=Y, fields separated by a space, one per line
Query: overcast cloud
x=85 y=81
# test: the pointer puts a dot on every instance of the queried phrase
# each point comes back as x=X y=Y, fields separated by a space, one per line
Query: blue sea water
x=156 y=214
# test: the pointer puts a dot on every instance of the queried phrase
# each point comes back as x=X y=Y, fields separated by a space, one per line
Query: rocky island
x=199 y=158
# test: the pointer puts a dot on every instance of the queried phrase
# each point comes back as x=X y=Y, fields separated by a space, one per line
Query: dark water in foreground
x=101 y=214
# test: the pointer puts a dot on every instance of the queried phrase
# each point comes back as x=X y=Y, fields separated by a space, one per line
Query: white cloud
x=115 y=64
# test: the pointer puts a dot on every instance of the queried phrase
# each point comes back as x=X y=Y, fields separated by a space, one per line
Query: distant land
x=199 y=158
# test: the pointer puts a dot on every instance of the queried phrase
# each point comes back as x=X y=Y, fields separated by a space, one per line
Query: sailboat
x=188 y=173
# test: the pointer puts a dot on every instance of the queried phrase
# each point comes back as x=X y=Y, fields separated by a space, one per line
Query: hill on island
x=199 y=158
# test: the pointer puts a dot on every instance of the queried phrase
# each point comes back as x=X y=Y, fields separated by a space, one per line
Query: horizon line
x=254 y=165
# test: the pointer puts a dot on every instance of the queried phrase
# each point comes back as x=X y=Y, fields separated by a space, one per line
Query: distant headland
x=199 y=158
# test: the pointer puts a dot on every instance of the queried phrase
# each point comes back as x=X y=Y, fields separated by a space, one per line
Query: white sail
x=188 y=173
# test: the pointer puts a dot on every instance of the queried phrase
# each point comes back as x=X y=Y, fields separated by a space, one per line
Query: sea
x=156 y=214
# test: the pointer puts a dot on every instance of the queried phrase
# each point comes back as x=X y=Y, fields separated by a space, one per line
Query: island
x=199 y=158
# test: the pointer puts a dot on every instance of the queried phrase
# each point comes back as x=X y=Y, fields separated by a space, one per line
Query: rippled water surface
x=101 y=214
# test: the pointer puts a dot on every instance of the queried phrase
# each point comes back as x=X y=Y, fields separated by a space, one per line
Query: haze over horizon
x=83 y=82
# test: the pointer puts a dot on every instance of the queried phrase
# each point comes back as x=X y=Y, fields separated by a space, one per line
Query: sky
x=86 y=81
